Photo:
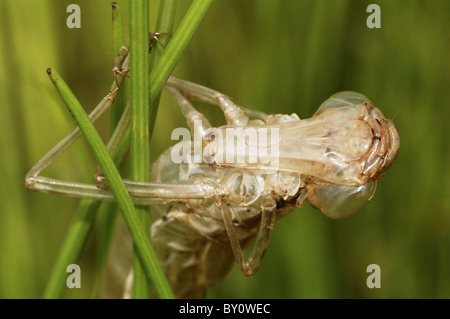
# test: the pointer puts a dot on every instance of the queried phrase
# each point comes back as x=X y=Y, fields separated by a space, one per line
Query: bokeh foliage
x=276 y=56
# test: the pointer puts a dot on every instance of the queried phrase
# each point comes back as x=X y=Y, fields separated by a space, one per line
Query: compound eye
x=244 y=188
x=339 y=201
x=342 y=99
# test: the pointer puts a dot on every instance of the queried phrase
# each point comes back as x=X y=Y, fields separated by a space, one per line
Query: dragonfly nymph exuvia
x=205 y=213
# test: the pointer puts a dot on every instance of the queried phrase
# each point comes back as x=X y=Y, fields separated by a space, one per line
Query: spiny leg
x=234 y=114
x=268 y=217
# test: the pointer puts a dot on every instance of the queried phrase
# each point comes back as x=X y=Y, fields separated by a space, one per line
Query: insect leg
x=64 y=144
x=120 y=68
x=234 y=241
x=268 y=216
x=189 y=112
x=234 y=114
x=141 y=193
x=118 y=141
x=256 y=114
x=154 y=36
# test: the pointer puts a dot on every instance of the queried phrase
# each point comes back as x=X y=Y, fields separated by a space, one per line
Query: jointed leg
x=268 y=217
x=258 y=115
x=189 y=112
x=120 y=68
x=62 y=146
x=141 y=193
x=234 y=114
x=120 y=136
x=154 y=36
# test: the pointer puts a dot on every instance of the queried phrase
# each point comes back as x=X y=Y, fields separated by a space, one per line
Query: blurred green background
x=275 y=56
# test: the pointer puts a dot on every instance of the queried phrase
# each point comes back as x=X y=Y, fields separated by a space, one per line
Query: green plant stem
x=118 y=42
x=74 y=242
x=72 y=246
x=116 y=185
x=140 y=146
x=117 y=28
x=108 y=218
x=164 y=24
x=175 y=48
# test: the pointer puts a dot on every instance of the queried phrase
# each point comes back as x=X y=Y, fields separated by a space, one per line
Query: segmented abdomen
x=191 y=261
x=193 y=248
